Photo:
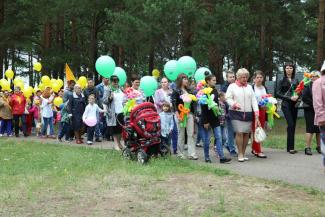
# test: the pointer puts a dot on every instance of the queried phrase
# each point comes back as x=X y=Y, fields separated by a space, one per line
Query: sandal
x=261 y=155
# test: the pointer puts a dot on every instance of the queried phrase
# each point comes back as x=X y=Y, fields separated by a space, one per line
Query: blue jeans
x=224 y=135
x=218 y=141
x=65 y=130
x=200 y=134
x=231 y=136
x=6 y=127
x=174 y=136
x=90 y=133
x=48 y=121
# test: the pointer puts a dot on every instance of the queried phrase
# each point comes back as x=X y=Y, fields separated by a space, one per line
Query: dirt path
x=295 y=169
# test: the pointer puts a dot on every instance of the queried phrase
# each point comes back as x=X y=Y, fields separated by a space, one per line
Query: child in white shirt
x=90 y=118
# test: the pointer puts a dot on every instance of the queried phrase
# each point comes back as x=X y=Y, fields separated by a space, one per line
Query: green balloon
x=120 y=73
x=186 y=65
x=148 y=85
x=200 y=74
x=105 y=66
x=170 y=70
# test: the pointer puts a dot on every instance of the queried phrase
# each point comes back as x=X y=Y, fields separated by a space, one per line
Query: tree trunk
x=263 y=48
x=60 y=43
x=320 y=33
x=93 y=47
x=121 y=57
x=270 y=55
x=187 y=37
x=30 y=69
x=151 y=60
x=2 y=49
x=47 y=35
x=216 y=63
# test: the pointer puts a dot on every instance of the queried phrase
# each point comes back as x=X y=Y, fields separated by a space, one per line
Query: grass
x=277 y=137
x=54 y=180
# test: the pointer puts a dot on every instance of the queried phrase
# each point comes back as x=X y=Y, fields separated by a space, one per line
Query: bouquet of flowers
x=306 y=81
x=185 y=109
x=205 y=98
x=269 y=102
x=131 y=94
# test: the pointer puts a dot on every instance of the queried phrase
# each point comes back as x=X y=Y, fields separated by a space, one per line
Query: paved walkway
x=295 y=169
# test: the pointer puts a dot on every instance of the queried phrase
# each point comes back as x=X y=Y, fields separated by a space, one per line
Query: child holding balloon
x=47 y=113
x=90 y=117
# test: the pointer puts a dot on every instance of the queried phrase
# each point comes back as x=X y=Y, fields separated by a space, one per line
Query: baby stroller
x=141 y=134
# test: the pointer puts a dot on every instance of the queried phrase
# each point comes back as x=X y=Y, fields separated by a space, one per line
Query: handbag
x=259 y=135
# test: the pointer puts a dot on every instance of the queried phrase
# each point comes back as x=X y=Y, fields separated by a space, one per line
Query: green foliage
x=151 y=32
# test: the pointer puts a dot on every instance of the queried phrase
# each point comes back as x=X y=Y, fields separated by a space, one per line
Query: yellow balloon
x=53 y=81
x=46 y=81
x=9 y=74
x=41 y=86
x=2 y=81
x=156 y=73
x=82 y=84
x=27 y=93
x=17 y=80
x=56 y=87
x=60 y=82
x=5 y=85
x=58 y=101
x=20 y=84
x=37 y=66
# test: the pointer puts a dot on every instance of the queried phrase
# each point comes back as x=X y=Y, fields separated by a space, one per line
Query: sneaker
x=60 y=139
x=246 y=158
x=207 y=160
x=98 y=140
x=1 y=135
x=181 y=156
x=318 y=149
x=233 y=154
x=308 y=151
x=224 y=160
x=194 y=157
x=199 y=145
x=89 y=142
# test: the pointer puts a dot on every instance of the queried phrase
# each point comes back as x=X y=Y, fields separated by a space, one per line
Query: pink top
x=319 y=99
x=35 y=111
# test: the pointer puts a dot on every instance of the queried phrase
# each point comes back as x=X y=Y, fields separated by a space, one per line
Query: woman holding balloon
x=114 y=113
x=184 y=116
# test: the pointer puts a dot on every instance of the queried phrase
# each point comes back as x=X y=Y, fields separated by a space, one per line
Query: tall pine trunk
x=60 y=43
x=320 y=33
x=93 y=48
x=2 y=49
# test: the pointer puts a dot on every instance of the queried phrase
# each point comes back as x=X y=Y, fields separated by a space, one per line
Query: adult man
x=92 y=90
x=230 y=75
x=69 y=90
x=102 y=89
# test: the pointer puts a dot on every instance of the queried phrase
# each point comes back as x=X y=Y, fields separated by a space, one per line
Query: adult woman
x=259 y=91
x=18 y=104
x=210 y=120
x=76 y=108
x=319 y=106
x=242 y=107
x=162 y=95
x=309 y=113
x=114 y=114
x=5 y=114
x=182 y=85
x=285 y=91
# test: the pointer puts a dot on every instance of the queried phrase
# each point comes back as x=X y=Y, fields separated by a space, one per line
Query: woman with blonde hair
x=243 y=107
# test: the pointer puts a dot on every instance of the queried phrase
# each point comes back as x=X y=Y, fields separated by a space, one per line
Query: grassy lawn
x=54 y=180
x=277 y=137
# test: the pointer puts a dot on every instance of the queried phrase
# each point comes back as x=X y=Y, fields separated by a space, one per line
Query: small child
x=167 y=123
x=222 y=119
x=89 y=117
x=47 y=113
x=35 y=111
x=64 y=122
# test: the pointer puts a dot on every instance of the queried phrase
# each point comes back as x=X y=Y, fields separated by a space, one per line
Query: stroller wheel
x=126 y=153
x=142 y=157
x=165 y=150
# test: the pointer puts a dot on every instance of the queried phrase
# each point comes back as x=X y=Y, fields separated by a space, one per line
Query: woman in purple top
x=162 y=95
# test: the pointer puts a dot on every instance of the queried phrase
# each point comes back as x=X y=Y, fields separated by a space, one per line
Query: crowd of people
x=98 y=111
